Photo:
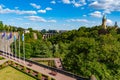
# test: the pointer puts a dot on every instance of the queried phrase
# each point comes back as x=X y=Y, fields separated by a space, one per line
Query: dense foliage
x=92 y=51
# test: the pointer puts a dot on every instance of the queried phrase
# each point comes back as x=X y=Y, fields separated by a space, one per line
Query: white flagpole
x=6 y=43
x=12 y=51
x=12 y=46
x=15 y=45
x=3 y=43
x=23 y=46
x=9 y=42
x=19 y=44
x=8 y=48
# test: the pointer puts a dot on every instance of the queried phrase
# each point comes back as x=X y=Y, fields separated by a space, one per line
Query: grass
x=1 y=58
x=9 y=73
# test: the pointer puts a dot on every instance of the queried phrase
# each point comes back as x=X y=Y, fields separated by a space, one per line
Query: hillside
x=88 y=51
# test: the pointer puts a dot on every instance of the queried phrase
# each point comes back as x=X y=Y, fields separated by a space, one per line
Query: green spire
x=116 y=24
x=104 y=17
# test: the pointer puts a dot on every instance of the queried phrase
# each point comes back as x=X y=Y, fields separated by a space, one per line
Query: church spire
x=116 y=25
x=104 y=20
x=104 y=17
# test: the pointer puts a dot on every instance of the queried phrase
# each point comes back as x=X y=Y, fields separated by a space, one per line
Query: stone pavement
x=58 y=76
x=5 y=46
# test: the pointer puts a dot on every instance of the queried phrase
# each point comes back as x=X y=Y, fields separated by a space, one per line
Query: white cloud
x=36 y=18
x=84 y=15
x=82 y=8
x=45 y=10
x=77 y=5
x=53 y=2
x=75 y=2
x=39 y=19
x=0 y=7
x=48 y=8
x=35 y=5
x=7 y=10
x=52 y=21
x=66 y=1
x=19 y=19
x=109 y=22
x=26 y=23
x=42 y=11
x=77 y=20
x=25 y=12
x=96 y=14
x=16 y=7
x=106 y=5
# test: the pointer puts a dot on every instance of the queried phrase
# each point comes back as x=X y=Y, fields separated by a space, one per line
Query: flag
x=18 y=35
x=3 y=35
x=14 y=38
x=9 y=36
x=23 y=37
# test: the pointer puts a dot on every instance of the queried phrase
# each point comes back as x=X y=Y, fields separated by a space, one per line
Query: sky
x=58 y=14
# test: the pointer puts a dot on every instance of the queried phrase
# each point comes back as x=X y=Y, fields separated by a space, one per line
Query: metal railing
x=77 y=77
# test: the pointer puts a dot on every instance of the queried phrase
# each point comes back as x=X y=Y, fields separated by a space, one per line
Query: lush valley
x=85 y=51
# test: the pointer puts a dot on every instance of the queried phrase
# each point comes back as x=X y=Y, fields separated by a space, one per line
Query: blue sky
x=58 y=14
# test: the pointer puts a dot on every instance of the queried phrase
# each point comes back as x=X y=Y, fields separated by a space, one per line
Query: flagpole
x=19 y=44
x=23 y=46
x=12 y=56
x=15 y=46
x=8 y=42
x=3 y=41
x=12 y=52
x=8 y=48
x=3 y=44
x=9 y=45
x=6 y=45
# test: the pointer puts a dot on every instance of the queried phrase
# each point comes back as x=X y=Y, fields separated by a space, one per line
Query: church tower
x=104 y=20
x=116 y=26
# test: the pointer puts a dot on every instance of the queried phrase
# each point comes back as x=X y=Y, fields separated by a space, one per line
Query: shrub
x=24 y=69
x=39 y=76
x=0 y=66
x=52 y=79
x=3 y=65
x=13 y=63
x=49 y=78
x=31 y=72
x=1 y=58
x=9 y=62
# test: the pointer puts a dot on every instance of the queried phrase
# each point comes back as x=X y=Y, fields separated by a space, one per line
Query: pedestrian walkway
x=57 y=76
x=57 y=61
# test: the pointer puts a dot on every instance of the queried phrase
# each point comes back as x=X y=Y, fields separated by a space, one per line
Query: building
x=51 y=33
x=48 y=35
x=26 y=31
x=104 y=20
x=116 y=25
